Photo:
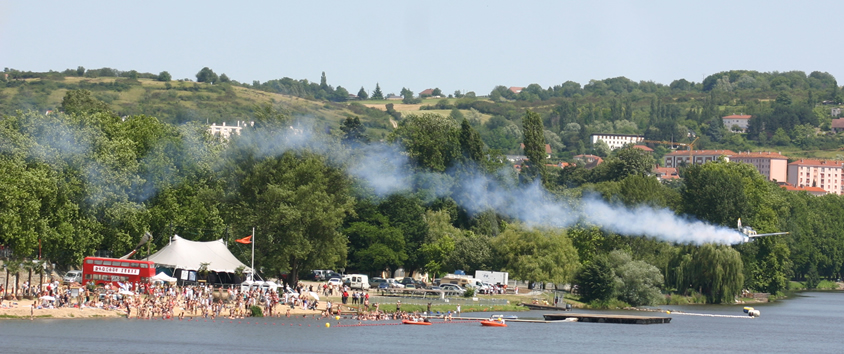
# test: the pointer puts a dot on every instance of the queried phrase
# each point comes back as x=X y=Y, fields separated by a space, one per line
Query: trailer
x=492 y=277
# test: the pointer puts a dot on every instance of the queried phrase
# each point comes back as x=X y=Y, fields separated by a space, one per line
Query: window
x=123 y=264
x=89 y=261
x=144 y=265
x=98 y=262
x=106 y=262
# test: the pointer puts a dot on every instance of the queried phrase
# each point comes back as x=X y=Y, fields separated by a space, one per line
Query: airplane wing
x=770 y=234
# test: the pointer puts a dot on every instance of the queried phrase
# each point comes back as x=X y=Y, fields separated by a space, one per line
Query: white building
x=226 y=131
x=740 y=120
x=616 y=141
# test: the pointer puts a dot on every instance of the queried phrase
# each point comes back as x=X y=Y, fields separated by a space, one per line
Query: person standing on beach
x=458 y=310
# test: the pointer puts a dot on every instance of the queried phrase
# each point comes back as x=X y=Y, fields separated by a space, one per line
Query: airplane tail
x=739 y=223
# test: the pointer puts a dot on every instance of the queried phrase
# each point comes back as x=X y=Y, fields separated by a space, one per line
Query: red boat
x=493 y=323
x=411 y=322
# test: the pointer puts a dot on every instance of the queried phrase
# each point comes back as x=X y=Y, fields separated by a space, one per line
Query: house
x=740 y=120
x=426 y=93
x=837 y=125
x=547 y=149
x=393 y=96
x=697 y=157
x=816 y=191
x=516 y=90
x=588 y=161
x=772 y=165
x=226 y=131
x=558 y=165
x=616 y=141
x=835 y=112
x=643 y=148
x=826 y=174
x=666 y=173
x=515 y=158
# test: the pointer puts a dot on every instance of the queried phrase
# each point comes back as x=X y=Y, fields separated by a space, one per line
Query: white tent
x=185 y=254
x=163 y=277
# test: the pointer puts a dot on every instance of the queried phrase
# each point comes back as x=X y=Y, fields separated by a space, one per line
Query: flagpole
x=252 y=274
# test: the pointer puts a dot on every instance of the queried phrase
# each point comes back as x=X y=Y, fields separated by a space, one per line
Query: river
x=810 y=322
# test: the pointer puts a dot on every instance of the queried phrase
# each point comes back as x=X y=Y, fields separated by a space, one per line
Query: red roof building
x=770 y=164
x=825 y=174
x=516 y=90
x=816 y=191
x=643 y=147
x=428 y=92
x=589 y=161
x=837 y=125
x=666 y=173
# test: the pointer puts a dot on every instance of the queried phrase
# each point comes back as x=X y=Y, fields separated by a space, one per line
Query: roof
x=516 y=89
x=427 y=92
x=547 y=147
x=700 y=152
x=812 y=190
x=824 y=163
x=838 y=123
x=643 y=147
x=759 y=155
x=666 y=172
x=611 y=134
x=737 y=116
x=186 y=254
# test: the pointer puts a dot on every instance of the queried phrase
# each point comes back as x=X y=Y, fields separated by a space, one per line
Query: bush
x=257 y=312
x=469 y=292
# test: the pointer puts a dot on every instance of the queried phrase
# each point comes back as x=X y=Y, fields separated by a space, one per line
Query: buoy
x=668 y=312
x=327 y=325
x=337 y=318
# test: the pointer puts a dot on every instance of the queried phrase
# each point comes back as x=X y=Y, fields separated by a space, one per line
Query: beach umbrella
x=48 y=298
x=315 y=296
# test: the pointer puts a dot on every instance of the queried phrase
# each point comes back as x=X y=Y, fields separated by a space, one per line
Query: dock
x=545 y=307
x=624 y=319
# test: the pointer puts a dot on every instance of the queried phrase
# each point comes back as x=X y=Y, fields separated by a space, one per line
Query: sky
x=453 y=45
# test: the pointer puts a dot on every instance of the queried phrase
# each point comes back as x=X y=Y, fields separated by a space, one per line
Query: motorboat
x=493 y=323
x=412 y=322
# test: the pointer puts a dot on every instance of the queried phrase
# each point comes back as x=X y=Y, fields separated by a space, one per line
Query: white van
x=357 y=281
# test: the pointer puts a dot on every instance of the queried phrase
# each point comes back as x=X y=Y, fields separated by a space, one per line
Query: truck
x=492 y=277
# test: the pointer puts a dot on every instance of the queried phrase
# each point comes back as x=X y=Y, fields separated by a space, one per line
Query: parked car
x=452 y=289
x=376 y=282
x=73 y=276
x=335 y=281
x=394 y=284
x=410 y=286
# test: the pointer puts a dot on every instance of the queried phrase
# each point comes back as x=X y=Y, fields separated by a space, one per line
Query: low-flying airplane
x=749 y=233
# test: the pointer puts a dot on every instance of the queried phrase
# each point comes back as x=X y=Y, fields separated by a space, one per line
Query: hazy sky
x=470 y=46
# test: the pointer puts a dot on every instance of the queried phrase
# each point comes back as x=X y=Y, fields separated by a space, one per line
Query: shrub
x=469 y=292
x=257 y=312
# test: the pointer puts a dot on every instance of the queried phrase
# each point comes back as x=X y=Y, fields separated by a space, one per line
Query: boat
x=412 y=322
x=489 y=323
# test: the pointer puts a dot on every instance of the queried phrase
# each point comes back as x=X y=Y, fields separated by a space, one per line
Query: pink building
x=697 y=157
x=825 y=174
x=770 y=164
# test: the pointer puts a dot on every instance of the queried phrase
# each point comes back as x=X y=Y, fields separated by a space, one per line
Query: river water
x=811 y=322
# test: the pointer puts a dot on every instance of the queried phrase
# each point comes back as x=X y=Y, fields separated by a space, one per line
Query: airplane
x=749 y=233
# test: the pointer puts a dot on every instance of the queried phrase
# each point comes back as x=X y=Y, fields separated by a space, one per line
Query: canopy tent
x=163 y=278
x=186 y=254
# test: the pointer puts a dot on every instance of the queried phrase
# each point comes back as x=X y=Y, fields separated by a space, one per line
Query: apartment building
x=697 y=157
x=772 y=165
x=616 y=141
x=826 y=174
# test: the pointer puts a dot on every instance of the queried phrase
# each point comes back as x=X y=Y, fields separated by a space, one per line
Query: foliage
x=715 y=271
x=534 y=140
x=431 y=140
x=596 y=281
x=256 y=311
x=536 y=255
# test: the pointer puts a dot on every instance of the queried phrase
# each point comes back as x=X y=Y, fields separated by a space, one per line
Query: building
x=772 y=165
x=616 y=141
x=393 y=97
x=835 y=112
x=825 y=174
x=837 y=125
x=816 y=191
x=666 y=173
x=516 y=90
x=741 y=120
x=226 y=131
x=426 y=93
x=697 y=157
x=643 y=148
x=588 y=161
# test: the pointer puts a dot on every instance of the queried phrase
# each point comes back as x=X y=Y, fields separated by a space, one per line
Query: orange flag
x=246 y=240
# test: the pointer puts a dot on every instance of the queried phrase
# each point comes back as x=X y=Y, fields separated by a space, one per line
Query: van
x=357 y=281
x=462 y=282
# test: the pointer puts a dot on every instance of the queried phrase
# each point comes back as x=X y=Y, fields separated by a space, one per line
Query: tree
x=637 y=282
x=80 y=71
x=374 y=244
x=437 y=92
x=323 y=83
x=407 y=214
x=470 y=143
x=439 y=242
x=362 y=95
x=297 y=204
x=340 y=94
x=536 y=255
x=716 y=271
x=224 y=78
x=164 y=76
x=431 y=140
x=206 y=75
x=534 y=140
x=354 y=133
x=596 y=281
x=83 y=102
x=377 y=95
